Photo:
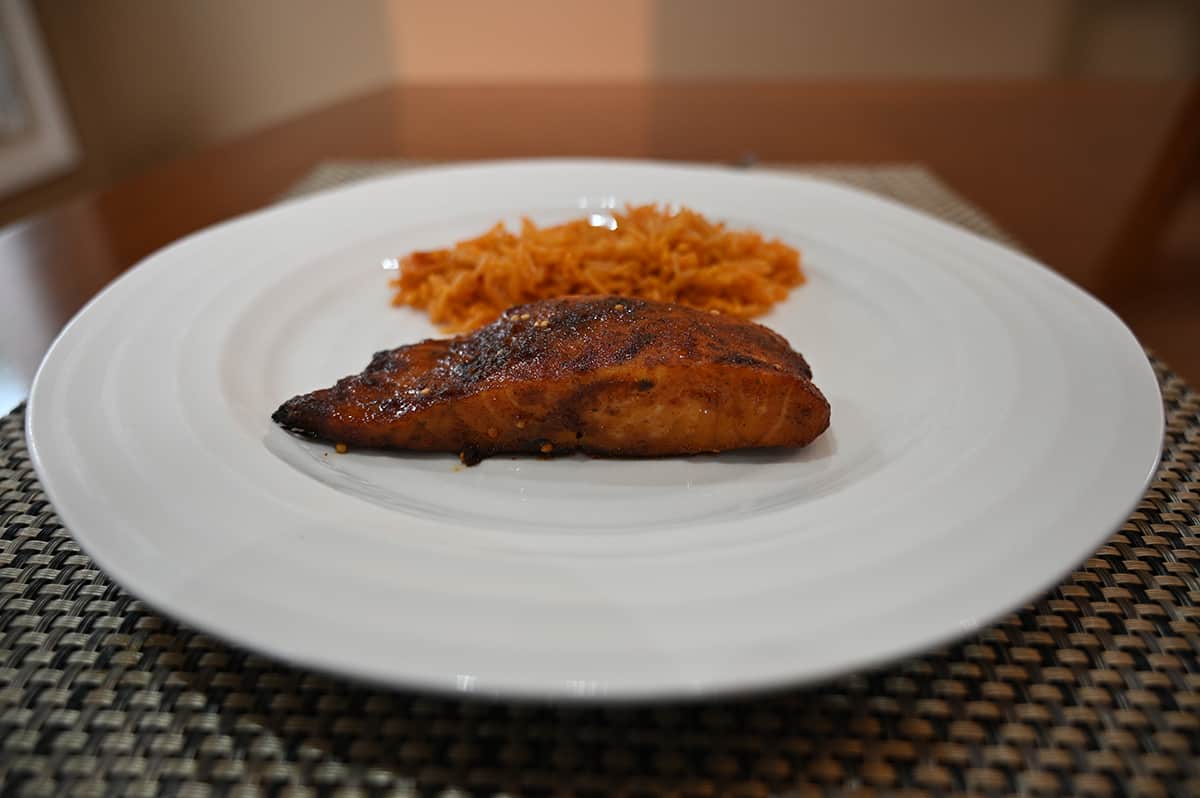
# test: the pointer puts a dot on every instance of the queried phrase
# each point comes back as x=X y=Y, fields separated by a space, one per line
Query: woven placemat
x=1092 y=690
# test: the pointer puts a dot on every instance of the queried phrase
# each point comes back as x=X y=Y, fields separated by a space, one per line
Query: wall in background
x=854 y=38
x=149 y=80
x=146 y=79
x=475 y=41
x=1154 y=38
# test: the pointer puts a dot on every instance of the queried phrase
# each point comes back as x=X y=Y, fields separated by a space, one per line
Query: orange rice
x=652 y=253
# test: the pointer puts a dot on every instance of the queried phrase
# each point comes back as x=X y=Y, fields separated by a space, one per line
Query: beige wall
x=853 y=38
x=531 y=39
x=473 y=41
x=148 y=80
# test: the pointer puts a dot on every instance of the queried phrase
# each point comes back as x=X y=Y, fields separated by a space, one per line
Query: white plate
x=991 y=425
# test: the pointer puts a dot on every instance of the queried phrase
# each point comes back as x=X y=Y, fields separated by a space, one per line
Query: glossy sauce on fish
x=604 y=375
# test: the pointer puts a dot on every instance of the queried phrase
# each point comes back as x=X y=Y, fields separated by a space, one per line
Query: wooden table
x=1055 y=163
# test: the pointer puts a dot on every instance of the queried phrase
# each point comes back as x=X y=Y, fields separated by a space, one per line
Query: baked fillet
x=603 y=375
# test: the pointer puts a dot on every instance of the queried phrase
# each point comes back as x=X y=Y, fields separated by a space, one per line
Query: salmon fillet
x=602 y=375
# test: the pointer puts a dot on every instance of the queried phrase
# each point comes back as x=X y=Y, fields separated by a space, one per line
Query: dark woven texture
x=1092 y=690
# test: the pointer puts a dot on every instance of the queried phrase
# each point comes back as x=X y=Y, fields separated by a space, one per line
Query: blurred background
x=139 y=84
x=145 y=81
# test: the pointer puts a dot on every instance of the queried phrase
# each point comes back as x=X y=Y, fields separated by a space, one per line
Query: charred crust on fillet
x=568 y=372
x=738 y=359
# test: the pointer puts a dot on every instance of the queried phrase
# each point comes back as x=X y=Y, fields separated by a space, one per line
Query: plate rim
x=445 y=684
